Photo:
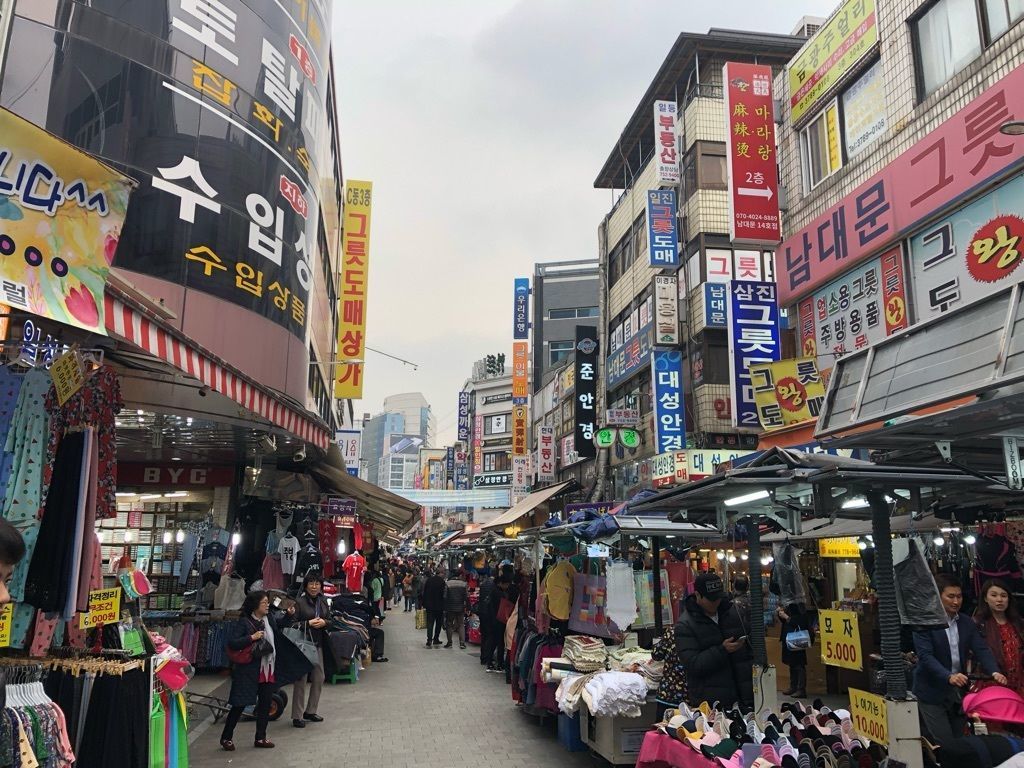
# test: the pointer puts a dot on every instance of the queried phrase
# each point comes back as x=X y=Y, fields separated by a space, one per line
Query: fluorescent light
x=176 y=494
x=121 y=494
x=175 y=458
x=341 y=547
x=756 y=496
x=858 y=502
x=149 y=496
x=765 y=561
x=235 y=539
x=745 y=556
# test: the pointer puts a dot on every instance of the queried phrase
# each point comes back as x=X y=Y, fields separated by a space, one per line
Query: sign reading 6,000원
x=218 y=108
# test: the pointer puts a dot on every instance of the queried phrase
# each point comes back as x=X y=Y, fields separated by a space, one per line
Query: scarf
x=267 y=662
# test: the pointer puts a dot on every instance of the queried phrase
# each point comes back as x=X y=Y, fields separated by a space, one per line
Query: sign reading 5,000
x=840 y=639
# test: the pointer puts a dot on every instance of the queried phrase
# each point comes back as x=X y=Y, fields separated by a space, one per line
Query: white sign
x=545 y=454
x=1011 y=453
x=665 y=143
x=350 y=441
x=864 y=111
x=623 y=417
x=520 y=478
x=666 y=310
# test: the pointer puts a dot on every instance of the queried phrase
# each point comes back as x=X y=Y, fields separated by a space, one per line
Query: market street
x=423 y=709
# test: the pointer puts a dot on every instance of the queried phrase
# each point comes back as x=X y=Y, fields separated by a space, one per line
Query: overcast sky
x=482 y=124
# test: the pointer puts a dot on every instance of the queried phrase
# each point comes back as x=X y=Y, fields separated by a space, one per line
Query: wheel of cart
x=219 y=707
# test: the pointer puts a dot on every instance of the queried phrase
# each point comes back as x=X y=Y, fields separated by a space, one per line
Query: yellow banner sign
x=104 y=608
x=61 y=212
x=845 y=546
x=840 y=639
x=6 y=618
x=355 y=268
x=828 y=56
x=870 y=718
x=787 y=392
x=519 y=424
x=67 y=375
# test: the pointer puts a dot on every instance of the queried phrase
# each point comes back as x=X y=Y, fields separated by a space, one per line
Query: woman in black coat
x=256 y=681
x=793 y=618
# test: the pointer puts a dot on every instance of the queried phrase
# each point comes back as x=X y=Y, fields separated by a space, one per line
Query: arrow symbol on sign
x=765 y=193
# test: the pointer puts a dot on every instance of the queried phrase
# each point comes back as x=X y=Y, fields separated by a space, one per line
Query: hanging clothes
x=10 y=387
x=621 y=607
x=328 y=535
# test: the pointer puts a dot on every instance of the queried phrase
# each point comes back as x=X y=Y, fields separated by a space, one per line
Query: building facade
x=393 y=438
x=565 y=294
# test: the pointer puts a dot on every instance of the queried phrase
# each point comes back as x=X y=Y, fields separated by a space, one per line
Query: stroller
x=997 y=705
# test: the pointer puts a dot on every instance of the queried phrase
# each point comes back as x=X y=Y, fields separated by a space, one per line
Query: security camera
x=268 y=444
x=203 y=391
x=300 y=455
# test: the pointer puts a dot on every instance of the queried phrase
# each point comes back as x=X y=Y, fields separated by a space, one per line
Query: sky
x=483 y=124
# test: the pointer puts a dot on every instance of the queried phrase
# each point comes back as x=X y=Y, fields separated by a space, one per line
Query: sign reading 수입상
x=870 y=716
x=104 y=608
x=840 y=639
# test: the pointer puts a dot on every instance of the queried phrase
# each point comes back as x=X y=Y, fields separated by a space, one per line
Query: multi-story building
x=691 y=79
x=565 y=294
x=393 y=438
x=490 y=445
x=902 y=168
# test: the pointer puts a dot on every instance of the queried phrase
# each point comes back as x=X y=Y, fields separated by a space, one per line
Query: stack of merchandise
x=555 y=670
x=637 y=660
x=607 y=694
x=587 y=654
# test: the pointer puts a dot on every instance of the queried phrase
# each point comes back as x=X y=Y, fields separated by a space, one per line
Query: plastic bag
x=786 y=576
x=916 y=594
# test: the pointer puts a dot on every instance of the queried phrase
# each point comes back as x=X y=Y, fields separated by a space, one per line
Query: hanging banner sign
x=463 y=434
x=840 y=639
x=870 y=716
x=61 y=213
x=662 y=237
x=716 y=313
x=104 y=608
x=666 y=310
x=669 y=405
x=520 y=372
x=585 y=399
x=521 y=309
x=520 y=478
x=6 y=619
x=1011 y=455
x=665 y=113
x=478 y=448
x=787 y=392
x=67 y=373
x=355 y=268
x=633 y=355
x=750 y=155
x=546 y=455
x=839 y=547
x=753 y=339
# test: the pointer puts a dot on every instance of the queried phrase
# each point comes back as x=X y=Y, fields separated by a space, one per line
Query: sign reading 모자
x=61 y=213
x=355 y=268
x=840 y=639
x=750 y=155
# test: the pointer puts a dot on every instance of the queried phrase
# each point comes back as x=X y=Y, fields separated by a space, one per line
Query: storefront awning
x=823 y=529
x=129 y=322
x=527 y=505
x=445 y=538
x=379 y=505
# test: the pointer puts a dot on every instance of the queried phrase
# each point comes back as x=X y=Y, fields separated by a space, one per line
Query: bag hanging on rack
x=304 y=643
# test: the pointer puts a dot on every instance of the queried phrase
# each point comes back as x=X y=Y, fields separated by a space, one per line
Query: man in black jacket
x=711 y=641
x=433 y=604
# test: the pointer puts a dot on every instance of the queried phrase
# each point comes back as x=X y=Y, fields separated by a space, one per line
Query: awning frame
x=528 y=504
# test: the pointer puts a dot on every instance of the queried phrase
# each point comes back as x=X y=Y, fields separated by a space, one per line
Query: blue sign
x=632 y=356
x=461 y=476
x=354 y=471
x=753 y=339
x=449 y=466
x=662 y=238
x=669 y=408
x=520 y=314
x=716 y=314
x=464 y=417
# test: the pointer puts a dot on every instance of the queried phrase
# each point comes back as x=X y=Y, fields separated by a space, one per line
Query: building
x=565 y=294
x=490 y=446
x=690 y=80
x=902 y=170
x=393 y=438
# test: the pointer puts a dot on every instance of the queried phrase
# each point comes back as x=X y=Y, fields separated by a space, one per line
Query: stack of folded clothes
x=554 y=670
x=614 y=694
x=587 y=654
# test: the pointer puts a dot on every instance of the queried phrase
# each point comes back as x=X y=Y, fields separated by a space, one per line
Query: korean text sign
x=669 y=404
x=463 y=434
x=520 y=418
x=835 y=50
x=870 y=716
x=962 y=154
x=633 y=355
x=715 y=305
x=753 y=339
x=662 y=236
x=750 y=155
x=521 y=309
x=865 y=305
x=585 y=396
x=787 y=392
x=62 y=213
x=104 y=608
x=478 y=444
x=546 y=454
x=666 y=310
x=840 y=639
x=520 y=372
x=665 y=142
x=355 y=269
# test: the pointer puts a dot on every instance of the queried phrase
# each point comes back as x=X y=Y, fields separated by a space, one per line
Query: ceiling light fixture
x=149 y=496
x=746 y=498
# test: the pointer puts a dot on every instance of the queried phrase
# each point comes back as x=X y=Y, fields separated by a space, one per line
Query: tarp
x=527 y=505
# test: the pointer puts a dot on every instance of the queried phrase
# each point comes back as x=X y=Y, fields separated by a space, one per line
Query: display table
x=617 y=739
x=661 y=751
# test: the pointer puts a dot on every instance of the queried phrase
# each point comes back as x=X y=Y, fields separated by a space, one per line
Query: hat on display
x=709 y=586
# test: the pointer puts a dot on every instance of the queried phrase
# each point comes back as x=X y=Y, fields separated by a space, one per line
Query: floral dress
x=672 y=689
x=1012 y=668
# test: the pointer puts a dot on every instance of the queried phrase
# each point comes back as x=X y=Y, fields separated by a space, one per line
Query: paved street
x=424 y=709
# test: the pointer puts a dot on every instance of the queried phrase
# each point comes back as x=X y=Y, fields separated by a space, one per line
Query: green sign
x=629 y=438
x=604 y=438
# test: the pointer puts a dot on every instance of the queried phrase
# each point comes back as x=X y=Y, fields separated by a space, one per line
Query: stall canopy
x=379 y=505
x=527 y=505
x=823 y=529
x=446 y=537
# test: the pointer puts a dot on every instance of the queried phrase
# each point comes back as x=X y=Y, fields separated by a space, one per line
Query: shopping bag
x=798 y=640
x=304 y=643
x=421 y=619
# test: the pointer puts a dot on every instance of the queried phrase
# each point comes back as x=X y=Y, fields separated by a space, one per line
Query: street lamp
x=1012 y=128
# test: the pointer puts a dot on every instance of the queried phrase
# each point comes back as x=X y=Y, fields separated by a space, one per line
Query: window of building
x=1000 y=15
x=571 y=313
x=704 y=167
x=558 y=351
x=821 y=147
x=497 y=424
x=948 y=38
x=500 y=461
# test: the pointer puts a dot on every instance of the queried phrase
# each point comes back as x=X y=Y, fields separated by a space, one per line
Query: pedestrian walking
x=433 y=602
x=311 y=610
x=456 y=605
x=407 y=593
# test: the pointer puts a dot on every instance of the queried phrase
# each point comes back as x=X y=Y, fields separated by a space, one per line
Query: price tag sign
x=840 y=639
x=104 y=608
x=6 y=618
x=68 y=377
x=870 y=718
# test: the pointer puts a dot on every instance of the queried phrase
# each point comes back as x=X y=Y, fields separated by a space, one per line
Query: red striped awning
x=133 y=325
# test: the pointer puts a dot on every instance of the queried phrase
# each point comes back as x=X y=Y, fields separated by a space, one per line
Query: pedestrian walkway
x=424 y=709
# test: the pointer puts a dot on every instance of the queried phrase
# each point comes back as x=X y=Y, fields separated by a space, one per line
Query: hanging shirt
x=353 y=567
x=289 y=550
x=308 y=559
x=558 y=585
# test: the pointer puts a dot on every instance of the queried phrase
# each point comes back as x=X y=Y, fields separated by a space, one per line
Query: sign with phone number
x=840 y=639
x=870 y=717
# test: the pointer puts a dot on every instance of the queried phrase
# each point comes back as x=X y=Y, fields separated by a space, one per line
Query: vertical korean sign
x=520 y=416
x=750 y=155
x=61 y=220
x=546 y=455
x=463 y=435
x=662 y=237
x=355 y=267
x=666 y=310
x=753 y=339
x=665 y=141
x=669 y=412
x=520 y=372
x=521 y=309
x=585 y=405
x=478 y=445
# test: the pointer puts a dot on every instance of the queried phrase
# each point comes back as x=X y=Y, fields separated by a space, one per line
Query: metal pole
x=756 y=628
x=659 y=625
x=885 y=586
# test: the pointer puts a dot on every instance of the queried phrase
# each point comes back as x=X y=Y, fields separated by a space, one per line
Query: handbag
x=304 y=643
x=421 y=618
x=241 y=656
x=505 y=608
x=798 y=640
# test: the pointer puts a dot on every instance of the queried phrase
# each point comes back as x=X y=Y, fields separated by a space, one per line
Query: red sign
x=753 y=178
x=302 y=56
x=175 y=475
x=959 y=156
x=290 y=191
